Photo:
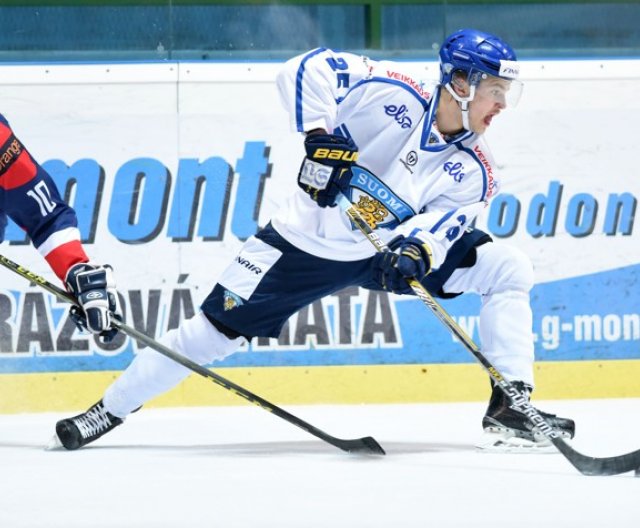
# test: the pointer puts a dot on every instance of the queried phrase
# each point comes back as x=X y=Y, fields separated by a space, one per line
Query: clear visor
x=506 y=92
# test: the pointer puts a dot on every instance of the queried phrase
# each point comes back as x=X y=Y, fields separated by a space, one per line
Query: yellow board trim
x=314 y=385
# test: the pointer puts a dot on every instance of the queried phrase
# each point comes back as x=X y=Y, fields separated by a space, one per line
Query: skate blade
x=54 y=444
x=507 y=442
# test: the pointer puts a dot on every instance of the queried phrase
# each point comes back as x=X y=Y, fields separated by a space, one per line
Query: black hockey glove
x=325 y=171
x=95 y=290
x=409 y=258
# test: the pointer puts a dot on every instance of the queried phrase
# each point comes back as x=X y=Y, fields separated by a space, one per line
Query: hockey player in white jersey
x=412 y=159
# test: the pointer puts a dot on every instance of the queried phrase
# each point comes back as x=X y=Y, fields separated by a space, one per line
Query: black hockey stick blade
x=366 y=445
x=359 y=445
x=593 y=466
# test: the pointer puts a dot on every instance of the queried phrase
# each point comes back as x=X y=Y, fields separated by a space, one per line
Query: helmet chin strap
x=464 y=103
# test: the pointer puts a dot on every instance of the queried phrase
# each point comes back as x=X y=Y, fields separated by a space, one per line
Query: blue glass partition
x=73 y=30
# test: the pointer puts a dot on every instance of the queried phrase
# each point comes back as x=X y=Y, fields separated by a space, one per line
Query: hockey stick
x=367 y=445
x=585 y=464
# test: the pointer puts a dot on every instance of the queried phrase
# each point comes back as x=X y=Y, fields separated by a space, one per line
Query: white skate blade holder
x=505 y=441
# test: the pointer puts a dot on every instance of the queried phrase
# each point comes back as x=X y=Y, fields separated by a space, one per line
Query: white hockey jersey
x=409 y=180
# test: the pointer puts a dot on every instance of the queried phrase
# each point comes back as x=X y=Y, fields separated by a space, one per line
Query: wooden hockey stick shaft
x=366 y=445
x=585 y=464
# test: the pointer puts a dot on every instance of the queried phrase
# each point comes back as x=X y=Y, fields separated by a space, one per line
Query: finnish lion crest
x=231 y=301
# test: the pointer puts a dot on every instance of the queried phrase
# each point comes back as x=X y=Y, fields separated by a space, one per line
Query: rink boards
x=171 y=166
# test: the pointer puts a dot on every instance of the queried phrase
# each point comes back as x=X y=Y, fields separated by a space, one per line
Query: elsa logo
x=455 y=170
x=399 y=113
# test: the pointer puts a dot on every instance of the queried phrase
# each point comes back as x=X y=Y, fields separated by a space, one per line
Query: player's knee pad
x=510 y=268
x=198 y=340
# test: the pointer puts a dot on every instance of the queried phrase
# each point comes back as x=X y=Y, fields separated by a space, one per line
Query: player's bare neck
x=448 y=115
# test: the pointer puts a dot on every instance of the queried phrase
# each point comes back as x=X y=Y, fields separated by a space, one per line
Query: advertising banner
x=171 y=166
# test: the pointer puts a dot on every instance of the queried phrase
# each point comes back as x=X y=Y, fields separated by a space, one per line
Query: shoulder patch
x=16 y=166
x=9 y=152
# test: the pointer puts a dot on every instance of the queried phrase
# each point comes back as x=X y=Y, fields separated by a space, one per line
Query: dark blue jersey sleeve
x=30 y=198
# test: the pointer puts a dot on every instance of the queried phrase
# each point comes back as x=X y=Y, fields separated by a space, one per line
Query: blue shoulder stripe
x=300 y=74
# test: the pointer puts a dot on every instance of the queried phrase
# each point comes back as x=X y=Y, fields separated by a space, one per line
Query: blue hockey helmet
x=475 y=52
x=478 y=56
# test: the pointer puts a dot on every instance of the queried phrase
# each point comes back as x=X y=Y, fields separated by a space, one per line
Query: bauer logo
x=335 y=154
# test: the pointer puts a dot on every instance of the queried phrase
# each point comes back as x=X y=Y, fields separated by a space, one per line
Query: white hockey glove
x=325 y=172
x=409 y=258
x=95 y=290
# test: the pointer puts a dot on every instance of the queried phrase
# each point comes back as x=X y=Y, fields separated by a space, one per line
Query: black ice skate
x=506 y=428
x=73 y=433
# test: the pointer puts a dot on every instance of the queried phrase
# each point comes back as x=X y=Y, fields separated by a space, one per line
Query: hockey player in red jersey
x=423 y=173
x=30 y=198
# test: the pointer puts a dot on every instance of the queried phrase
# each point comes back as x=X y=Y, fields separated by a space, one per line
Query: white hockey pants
x=503 y=277
x=151 y=374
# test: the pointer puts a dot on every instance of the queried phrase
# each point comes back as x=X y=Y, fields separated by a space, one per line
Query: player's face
x=490 y=99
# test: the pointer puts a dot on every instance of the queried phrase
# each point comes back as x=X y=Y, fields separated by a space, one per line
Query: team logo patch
x=380 y=206
x=231 y=301
x=372 y=211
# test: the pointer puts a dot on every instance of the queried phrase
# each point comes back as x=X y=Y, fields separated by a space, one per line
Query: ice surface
x=243 y=467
